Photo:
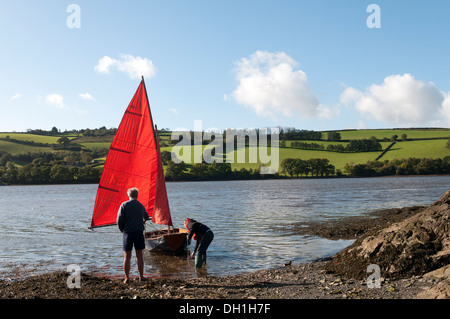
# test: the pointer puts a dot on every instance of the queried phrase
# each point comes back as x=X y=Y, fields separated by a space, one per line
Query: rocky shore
x=299 y=281
x=410 y=246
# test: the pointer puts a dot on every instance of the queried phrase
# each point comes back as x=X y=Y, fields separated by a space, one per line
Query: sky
x=314 y=65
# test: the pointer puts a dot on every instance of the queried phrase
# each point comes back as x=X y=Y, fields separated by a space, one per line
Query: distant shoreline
x=251 y=179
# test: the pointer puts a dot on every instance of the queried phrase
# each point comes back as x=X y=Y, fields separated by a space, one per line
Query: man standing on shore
x=131 y=218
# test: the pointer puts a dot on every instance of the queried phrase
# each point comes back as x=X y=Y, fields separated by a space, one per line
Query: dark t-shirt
x=196 y=228
x=131 y=216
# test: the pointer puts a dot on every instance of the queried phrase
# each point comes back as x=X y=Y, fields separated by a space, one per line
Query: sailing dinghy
x=134 y=160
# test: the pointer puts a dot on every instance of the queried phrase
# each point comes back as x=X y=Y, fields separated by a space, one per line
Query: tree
x=11 y=172
x=199 y=170
x=333 y=136
x=166 y=156
x=363 y=170
x=88 y=174
x=24 y=174
x=349 y=167
x=64 y=141
x=300 y=167
x=54 y=131
x=364 y=145
x=220 y=170
x=60 y=174
x=4 y=159
x=175 y=171
x=321 y=166
x=288 y=166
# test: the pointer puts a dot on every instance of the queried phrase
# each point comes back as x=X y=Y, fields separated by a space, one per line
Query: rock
x=335 y=292
x=441 y=273
x=413 y=246
x=440 y=291
x=390 y=288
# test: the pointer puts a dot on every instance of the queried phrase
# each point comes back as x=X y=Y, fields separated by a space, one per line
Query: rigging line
x=126 y=173
x=109 y=189
x=133 y=143
x=119 y=150
x=133 y=113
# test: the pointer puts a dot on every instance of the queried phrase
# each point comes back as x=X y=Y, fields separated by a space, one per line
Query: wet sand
x=300 y=281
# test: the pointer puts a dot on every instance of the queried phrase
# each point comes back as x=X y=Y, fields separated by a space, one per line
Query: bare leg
x=140 y=263
x=126 y=265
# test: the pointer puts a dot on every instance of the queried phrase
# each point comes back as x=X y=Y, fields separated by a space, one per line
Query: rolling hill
x=23 y=148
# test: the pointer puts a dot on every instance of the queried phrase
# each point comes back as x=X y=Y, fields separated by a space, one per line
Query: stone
x=413 y=246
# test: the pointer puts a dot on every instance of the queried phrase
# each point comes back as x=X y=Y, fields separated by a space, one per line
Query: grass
x=15 y=148
x=380 y=134
x=96 y=145
x=31 y=137
x=337 y=159
x=418 y=149
x=430 y=148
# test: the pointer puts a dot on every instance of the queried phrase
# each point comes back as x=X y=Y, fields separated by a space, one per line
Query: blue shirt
x=131 y=216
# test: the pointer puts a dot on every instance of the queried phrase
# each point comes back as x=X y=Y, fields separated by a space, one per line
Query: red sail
x=134 y=160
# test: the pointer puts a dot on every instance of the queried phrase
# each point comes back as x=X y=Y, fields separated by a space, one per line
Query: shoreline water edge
x=312 y=280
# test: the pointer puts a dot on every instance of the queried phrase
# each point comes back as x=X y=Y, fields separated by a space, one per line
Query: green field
x=418 y=149
x=337 y=159
x=94 y=145
x=404 y=149
x=380 y=134
x=15 y=148
x=420 y=143
x=31 y=137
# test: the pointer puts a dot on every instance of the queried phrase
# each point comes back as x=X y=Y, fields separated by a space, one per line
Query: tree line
x=296 y=134
x=50 y=168
x=363 y=145
x=57 y=172
x=46 y=174
x=102 y=131
x=315 y=166
x=408 y=166
x=213 y=171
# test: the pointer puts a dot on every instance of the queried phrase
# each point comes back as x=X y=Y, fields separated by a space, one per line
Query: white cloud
x=399 y=100
x=269 y=84
x=86 y=96
x=361 y=125
x=133 y=67
x=15 y=96
x=173 y=110
x=445 y=112
x=55 y=100
x=350 y=95
x=104 y=64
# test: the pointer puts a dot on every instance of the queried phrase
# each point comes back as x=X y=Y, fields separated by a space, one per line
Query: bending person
x=203 y=236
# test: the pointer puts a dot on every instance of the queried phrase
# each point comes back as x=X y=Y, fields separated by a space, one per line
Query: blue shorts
x=135 y=238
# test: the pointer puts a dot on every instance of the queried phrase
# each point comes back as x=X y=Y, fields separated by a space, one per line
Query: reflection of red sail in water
x=134 y=160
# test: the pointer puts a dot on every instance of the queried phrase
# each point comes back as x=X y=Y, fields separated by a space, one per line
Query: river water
x=45 y=228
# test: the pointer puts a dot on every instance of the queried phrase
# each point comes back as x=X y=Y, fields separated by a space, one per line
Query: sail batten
x=133 y=160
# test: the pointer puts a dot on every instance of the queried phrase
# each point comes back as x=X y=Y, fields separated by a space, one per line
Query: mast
x=161 y=183
x=155 y=129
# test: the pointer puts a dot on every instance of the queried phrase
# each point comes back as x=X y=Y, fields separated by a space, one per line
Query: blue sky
x=231 y=64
